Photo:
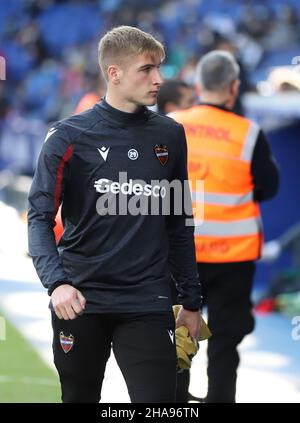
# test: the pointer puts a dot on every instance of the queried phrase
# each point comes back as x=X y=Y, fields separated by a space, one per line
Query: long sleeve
x=45 y=196
x=264 y=170
x=182 y=258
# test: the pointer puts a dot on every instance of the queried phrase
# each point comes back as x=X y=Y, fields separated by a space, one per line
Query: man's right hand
x=68 y=302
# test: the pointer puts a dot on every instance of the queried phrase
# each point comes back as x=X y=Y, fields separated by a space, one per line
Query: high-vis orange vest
x=227 y=220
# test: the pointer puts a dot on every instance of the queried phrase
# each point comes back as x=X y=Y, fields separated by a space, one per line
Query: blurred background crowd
x=50 y=50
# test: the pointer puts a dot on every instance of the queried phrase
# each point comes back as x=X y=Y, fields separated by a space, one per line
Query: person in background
x=95 y=91
x=231 y=155
x=175 y=95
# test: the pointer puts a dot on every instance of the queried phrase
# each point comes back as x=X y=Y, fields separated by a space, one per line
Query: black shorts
x=143 y=344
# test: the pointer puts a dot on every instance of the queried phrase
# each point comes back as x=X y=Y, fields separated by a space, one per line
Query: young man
x=231 y=154
x=109 y=277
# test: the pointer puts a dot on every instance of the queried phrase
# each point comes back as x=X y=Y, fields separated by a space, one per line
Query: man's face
x=140 y=79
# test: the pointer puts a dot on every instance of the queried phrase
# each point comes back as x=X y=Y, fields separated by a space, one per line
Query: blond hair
x=124 y=41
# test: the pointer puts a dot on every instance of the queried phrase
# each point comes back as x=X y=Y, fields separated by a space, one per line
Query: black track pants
x=143 y=345
x=227 y=295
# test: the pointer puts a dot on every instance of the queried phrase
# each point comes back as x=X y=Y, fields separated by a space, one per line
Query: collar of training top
x=117 y=116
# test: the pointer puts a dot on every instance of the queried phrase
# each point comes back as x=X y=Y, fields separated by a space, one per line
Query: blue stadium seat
x=18 y=60
x=69 y=24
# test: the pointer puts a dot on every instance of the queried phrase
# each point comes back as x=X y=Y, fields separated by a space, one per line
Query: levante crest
x=66 y=342
x=161 y=152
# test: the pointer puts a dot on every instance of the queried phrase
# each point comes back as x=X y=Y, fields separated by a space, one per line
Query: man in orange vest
x=231 y=155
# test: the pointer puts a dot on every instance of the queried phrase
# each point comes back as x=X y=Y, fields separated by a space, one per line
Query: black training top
x=120 y=261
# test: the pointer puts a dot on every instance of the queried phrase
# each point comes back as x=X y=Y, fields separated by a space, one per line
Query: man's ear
x=235 y=87
x=198 y=90
x=114 y=74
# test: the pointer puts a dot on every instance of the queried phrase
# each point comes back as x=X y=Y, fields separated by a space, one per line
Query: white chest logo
x=104 y=152
x=133 y=154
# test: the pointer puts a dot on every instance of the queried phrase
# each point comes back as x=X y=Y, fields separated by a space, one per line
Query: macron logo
x=50 y=132
x=104 y=152
x=171 y=335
